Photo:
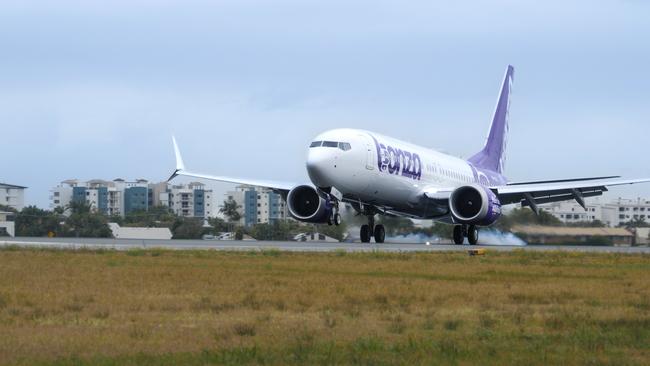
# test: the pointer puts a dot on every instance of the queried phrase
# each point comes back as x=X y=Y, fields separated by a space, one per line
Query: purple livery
x=492 y=156
x=401 y=179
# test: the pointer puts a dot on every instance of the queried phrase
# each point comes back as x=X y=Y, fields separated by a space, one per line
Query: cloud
x=91 y=89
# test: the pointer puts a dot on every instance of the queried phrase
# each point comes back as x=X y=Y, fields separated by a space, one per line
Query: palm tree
x=230 y=209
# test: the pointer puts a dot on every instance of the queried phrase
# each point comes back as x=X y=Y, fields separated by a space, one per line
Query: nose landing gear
x=372 y=230
x=465 y=231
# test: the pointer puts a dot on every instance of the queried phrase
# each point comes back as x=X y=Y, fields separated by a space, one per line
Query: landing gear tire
x=380 y=234
x=458 y=235
x=365 y=234
x=337 y=219
x=472 y=235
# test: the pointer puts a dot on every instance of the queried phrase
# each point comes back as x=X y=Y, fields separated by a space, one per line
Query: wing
x=533 y=193
x=281 y=187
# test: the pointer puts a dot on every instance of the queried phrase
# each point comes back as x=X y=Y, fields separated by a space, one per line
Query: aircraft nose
x=320 y=163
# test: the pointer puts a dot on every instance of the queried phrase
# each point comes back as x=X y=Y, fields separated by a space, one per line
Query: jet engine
x=475 y=205
x=306 y=204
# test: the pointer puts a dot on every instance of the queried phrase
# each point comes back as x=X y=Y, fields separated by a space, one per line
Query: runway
x=128 y=244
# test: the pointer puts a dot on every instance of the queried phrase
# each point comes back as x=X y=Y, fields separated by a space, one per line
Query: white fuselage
x=383 y=171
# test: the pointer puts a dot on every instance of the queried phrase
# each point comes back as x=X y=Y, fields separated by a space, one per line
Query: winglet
x=180 y=166
x=179 y=158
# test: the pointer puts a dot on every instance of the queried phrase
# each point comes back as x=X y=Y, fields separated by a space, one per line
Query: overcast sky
x=93 y=89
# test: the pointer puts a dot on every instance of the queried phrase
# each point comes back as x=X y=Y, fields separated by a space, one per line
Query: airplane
x=380 y=175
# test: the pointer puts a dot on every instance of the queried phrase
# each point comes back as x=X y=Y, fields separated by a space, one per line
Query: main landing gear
x=335 y=218
x=372 y=230
x=465 y=231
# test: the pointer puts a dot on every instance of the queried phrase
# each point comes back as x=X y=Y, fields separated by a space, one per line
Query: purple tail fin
x=492 y=157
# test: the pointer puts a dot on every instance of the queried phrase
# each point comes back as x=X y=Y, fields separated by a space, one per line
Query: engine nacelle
x=474 y=204
x=306 y=204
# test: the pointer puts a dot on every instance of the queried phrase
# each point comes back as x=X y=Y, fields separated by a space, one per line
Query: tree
x=80 y=207
x=230 y=209
x=33 y=221
x=636 y=222
x=525 y=216
x=239 y=233
x=159 y=216
x=84 y=223
x=188 y=228
x=138 y=218
x=116 y=219
x=8 y=209
x=276 y=230
x=267 y=232
x=594 y=223
x=219 y=225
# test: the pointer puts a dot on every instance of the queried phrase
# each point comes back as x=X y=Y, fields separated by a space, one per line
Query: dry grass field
x=275 y=308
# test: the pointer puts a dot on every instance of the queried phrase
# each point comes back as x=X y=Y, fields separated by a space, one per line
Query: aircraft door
x=370 y=153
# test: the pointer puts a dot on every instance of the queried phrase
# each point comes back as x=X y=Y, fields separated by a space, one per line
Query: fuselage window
x=316 y=144
x=330 y=144
x=345 y=146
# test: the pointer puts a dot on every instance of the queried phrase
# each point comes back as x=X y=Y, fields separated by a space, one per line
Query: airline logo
x=396 y=161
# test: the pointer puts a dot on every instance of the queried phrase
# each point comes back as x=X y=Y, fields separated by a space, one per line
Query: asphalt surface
x=126 y=244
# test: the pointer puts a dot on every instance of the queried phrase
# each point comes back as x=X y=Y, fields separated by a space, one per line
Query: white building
x=12 y=196
x=612 y=213
x=120 y=197
x=572 y=212
x=258 y=205
x=642 y=235
x=627 y=210
x=6 y=227
x=191 y=200
x=61 y=195
x=115 y=197
x=160 y=194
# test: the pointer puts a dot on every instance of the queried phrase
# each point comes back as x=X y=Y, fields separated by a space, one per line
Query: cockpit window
x=345 y=146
